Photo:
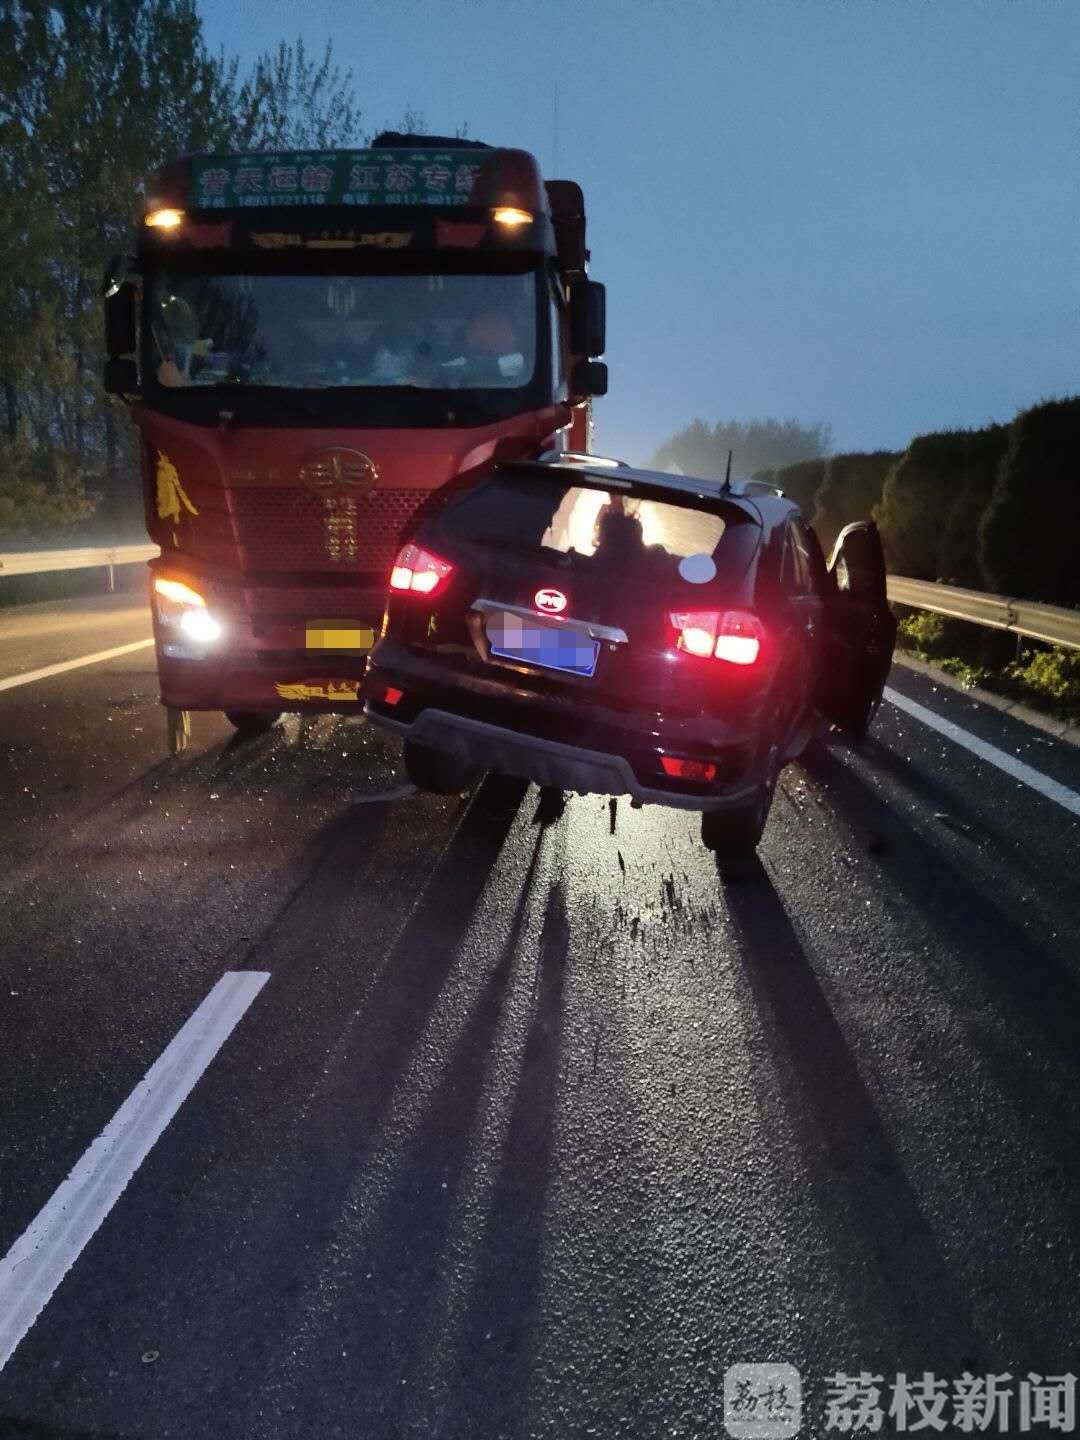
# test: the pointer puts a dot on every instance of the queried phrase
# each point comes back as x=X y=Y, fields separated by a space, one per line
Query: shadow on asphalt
x=497 y=1343
x=862 y=1185
x=394 y=1296
x=384 y=1321
x=276 y=1324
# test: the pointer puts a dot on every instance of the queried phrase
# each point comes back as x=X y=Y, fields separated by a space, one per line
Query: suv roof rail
x=756 y=487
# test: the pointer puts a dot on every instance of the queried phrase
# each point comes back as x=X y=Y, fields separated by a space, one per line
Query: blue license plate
x=553 y=647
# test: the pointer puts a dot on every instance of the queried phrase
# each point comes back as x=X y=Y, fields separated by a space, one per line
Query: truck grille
x=299 y=530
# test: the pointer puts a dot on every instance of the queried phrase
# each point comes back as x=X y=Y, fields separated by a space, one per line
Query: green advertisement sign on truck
x=358 y=177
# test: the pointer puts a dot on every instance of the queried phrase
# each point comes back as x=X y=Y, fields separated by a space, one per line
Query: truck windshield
x=440 y=331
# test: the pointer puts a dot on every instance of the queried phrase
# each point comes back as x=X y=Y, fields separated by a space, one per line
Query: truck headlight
x=200 y=625
x=182 y=610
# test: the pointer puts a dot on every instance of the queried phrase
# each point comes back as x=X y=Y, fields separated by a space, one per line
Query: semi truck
x=311 y=344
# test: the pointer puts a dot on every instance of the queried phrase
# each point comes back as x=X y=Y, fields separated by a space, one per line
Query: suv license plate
x=553 y=647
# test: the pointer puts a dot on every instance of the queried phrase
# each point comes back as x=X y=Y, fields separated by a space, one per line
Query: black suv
x=599 y=628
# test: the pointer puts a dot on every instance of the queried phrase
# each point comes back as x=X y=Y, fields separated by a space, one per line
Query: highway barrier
x=42 y=562
x=1051 y=623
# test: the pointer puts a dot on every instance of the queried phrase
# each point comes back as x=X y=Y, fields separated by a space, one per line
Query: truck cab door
x=860 y=630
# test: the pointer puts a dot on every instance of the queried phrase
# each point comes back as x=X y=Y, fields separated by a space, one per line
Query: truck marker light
x=732 y=635
x=418 y=570
x=511 y=216
x=177 y=591
x=164 y=219
x=682 y=769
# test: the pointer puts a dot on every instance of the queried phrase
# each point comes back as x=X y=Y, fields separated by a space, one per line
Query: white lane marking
x=49 y=1247
x=29 y=676
x=1052 y=789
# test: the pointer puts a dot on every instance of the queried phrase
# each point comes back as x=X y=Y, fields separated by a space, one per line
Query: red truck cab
x=310 y=344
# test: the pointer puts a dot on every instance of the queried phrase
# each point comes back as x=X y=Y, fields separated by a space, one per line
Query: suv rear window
x=601 y=531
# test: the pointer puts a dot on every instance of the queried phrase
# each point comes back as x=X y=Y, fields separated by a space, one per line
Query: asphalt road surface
x=509 y=1123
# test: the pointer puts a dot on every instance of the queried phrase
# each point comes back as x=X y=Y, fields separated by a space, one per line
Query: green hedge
x=801 y=482
x=932 y=500
x=1029 y=538
x=850 y=490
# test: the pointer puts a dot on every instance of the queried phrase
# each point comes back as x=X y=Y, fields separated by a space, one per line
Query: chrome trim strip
x=611 y=633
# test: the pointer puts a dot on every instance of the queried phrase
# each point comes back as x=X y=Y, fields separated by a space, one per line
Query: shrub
x=1028 y=535
x=958 y=555
x=1054 y=674
x=932 y=500
x=801 y=482
x=850 y=490
x=922 y=631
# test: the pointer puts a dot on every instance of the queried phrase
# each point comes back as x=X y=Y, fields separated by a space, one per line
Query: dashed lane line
x=29 y=676
x=35 y=1265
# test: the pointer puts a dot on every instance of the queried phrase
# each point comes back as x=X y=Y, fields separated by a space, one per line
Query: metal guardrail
x=40 y=562
x=1052 y=623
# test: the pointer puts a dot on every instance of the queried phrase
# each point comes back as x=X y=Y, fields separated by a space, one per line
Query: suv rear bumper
x=547 y=762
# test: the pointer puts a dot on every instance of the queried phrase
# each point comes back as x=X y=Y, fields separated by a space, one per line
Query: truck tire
x=437 y=772
x=249 y=723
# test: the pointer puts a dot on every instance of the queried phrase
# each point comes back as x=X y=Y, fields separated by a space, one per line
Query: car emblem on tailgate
x=550 y=602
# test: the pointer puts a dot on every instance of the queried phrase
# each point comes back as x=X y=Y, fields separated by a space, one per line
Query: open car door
x=860 y=630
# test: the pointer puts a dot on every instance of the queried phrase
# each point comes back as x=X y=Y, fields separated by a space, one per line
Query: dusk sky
x=862 y=212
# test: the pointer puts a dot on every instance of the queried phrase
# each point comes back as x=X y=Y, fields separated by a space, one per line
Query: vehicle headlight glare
x=201 y=626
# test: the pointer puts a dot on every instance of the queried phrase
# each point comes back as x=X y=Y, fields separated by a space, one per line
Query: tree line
x=95 y=95
x=995 y=508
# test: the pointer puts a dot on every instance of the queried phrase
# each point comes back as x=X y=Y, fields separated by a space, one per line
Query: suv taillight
x=736 y=636
x=418 y=570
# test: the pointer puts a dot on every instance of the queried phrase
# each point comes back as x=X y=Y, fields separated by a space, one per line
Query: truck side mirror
x=589 y=377
x=120 y=320
x=588 y=318
x=121 y=330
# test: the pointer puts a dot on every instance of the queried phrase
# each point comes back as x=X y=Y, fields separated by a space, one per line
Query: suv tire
x=438 y=772
x=733 y=835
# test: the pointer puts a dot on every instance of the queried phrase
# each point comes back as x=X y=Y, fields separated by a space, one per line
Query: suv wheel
x=733 y=835
x=438 y=772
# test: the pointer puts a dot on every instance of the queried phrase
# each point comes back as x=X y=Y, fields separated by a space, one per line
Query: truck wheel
x=249 y=723
x=438 y=772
